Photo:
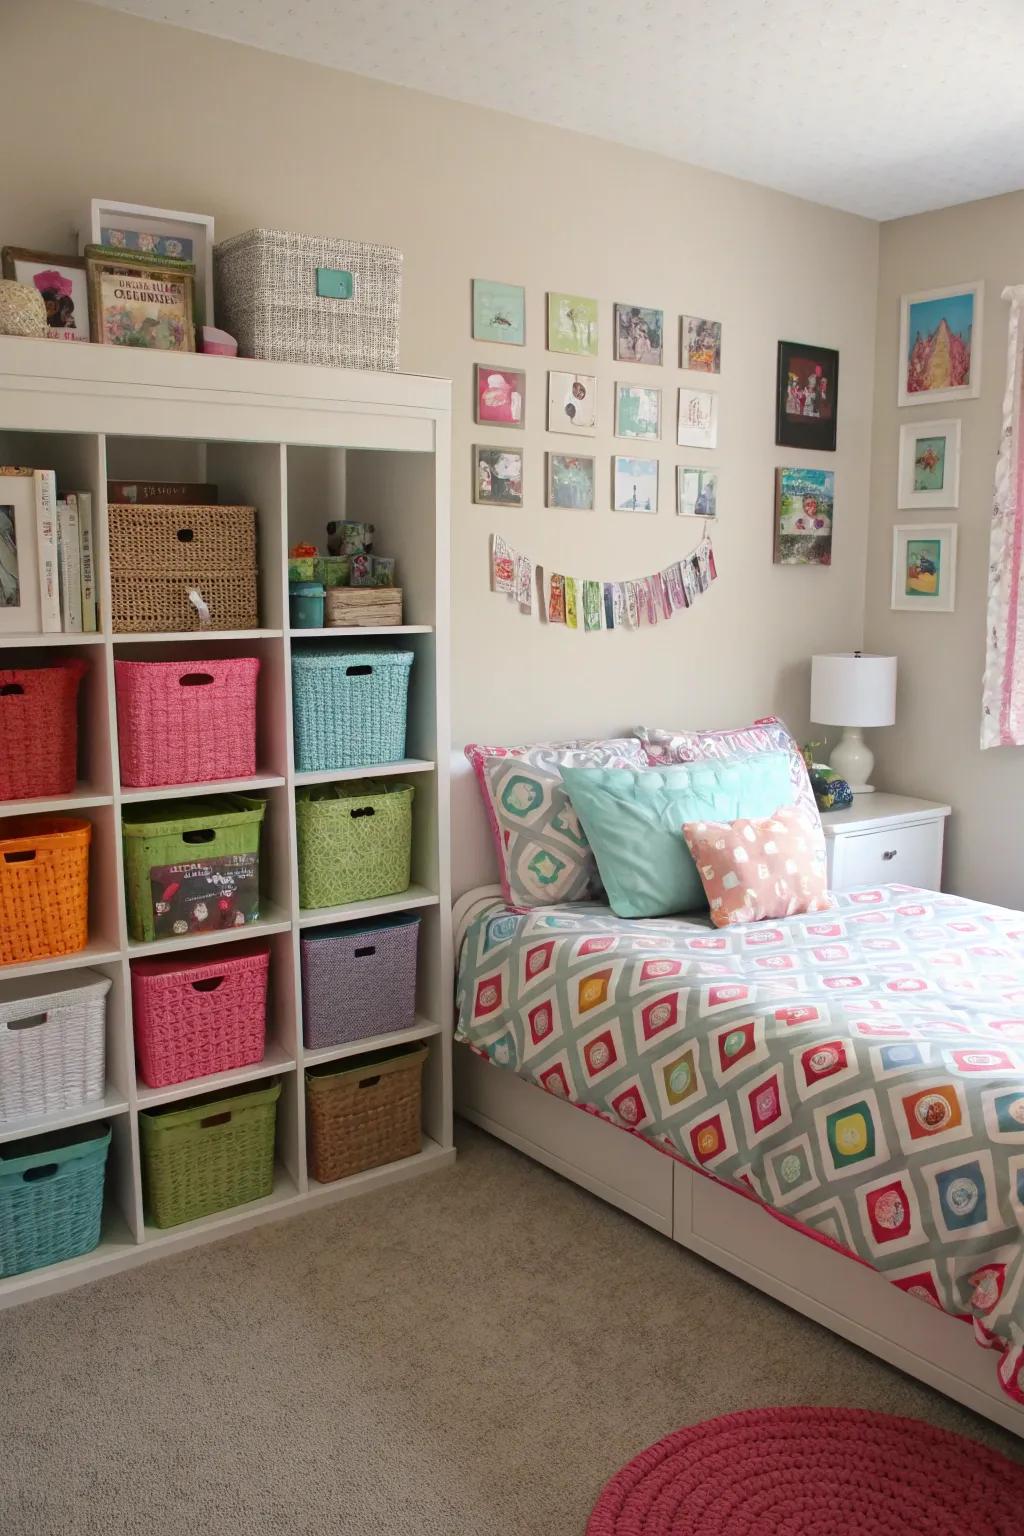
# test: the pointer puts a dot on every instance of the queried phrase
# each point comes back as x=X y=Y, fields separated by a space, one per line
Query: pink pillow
x=773 y=867
x=767 y=735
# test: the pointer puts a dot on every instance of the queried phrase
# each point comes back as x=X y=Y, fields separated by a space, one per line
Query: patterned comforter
x=860 y=1071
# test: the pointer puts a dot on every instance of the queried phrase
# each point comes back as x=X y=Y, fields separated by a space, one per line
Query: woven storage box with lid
x=362 y=607
x=39 y=729
x=44 y=887
x=208 y=1154
x=191 y=866
x=197 y=1016
x=364 y=1111
x=52 y=1043
x=310 y=299
x=186 y=722
x=358 y=982
x=182 y=568
x=354 y=841
x=51 y=1197
x=349 y=707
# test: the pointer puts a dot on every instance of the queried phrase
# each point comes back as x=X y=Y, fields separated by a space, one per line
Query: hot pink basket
x=193 y=1018
x=186 y=722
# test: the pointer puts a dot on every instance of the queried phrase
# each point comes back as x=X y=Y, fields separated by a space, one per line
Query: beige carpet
x=471 y=1354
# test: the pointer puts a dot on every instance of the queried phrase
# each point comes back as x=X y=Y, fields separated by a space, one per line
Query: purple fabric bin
x=358 y=983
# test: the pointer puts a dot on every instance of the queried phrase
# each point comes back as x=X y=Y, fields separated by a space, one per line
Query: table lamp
x=854 y=691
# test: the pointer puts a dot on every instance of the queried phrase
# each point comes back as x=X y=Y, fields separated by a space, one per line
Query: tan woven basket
x=365 y=1112
x=161 y=555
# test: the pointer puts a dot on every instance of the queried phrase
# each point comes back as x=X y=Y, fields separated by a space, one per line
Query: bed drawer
x=911 y=854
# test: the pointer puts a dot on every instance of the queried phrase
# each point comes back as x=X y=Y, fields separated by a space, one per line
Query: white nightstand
x=881 y=838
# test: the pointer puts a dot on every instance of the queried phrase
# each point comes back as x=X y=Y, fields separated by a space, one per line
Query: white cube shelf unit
x=302 y=445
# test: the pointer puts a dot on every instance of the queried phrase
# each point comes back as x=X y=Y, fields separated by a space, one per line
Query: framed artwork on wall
x=804 y=510
x=634 y=484
x=497 y=476
x=570 y=481
x=639 y=334
x=499 y=312
x=700 y=344
x=500 y=395
x=940 y=345
x=63 y=284
x=572 y=324
x=924 y=568
x=929 y=473
x=698 y=419
x=696 y=492
x=637 y=411
x=572 y=403
x=141 y=230
x=806 y=396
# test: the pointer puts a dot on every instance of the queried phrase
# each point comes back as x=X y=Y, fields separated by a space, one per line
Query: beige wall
x=933 y=749
x=157 y=115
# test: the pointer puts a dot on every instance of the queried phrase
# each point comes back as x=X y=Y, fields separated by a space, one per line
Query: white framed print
x=20 y=606
x=929 y=472
x=156 y=232
x=698 y=419
x=572 y=403
x=940 y=345
x=924 y=567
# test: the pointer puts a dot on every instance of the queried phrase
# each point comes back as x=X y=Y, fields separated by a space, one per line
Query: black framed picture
x=807 y=396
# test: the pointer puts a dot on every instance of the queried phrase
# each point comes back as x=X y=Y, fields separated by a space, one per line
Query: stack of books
x=47 y=561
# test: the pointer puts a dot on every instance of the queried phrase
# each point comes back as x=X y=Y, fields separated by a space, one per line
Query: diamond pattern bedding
x=860 y=1071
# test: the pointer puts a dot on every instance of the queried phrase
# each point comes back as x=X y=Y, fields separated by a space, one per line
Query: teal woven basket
x=51 y=1197
x=349 y=707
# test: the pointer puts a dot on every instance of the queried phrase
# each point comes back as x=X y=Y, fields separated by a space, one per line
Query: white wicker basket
x=52 y=1044
x=310 y=299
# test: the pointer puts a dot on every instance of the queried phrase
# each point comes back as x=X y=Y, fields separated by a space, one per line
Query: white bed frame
x=721 y=1226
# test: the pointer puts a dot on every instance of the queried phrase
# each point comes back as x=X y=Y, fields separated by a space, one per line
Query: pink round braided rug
x=813 y=1472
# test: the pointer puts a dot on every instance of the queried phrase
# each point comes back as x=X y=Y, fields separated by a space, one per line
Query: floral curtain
x=1002 y=723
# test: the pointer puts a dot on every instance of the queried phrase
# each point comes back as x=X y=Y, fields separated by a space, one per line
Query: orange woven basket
x=44 y=887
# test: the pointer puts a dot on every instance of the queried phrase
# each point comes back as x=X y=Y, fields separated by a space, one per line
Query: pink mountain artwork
x=939 y=361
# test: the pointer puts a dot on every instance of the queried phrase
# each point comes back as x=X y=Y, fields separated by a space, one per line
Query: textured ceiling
x=882 y=107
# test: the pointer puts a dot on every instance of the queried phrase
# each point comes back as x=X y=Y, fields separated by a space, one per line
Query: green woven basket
x=354 y=841
x=215 y=1153
x=218 y=832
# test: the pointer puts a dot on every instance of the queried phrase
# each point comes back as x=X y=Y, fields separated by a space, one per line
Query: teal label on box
x=333 y=283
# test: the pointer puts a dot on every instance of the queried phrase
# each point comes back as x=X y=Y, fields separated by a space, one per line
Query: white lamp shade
x=853 y=690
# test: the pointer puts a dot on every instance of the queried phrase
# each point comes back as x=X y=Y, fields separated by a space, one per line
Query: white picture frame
x=572 y=403
x=941 y=557
x=926 y=309
x=927 y=447
x=164 y=226
x=19 y=553
x=634 y=484
x=697 y=419
x=696 y=491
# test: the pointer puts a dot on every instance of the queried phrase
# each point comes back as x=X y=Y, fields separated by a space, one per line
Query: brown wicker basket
x=159 y=555
x=364 y=1112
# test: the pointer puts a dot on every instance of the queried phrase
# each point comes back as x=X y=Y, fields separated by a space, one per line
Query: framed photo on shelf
x=140 y=302
x=637 y=411
x=940 y=345
x=20 y=608
x=63 y=284
x=570 y=481
x=924 y=568
x=136 y=228
x=497 y=476
x=698 y=419
x=572 y=403
x=929 y=473
x=806 y=396
x=639 y=334
x=696 y=492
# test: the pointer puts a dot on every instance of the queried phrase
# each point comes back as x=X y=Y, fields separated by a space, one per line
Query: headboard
x=473 y=859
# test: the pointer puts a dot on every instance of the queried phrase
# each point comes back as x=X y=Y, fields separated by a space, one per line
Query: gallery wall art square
x=696 y=492
x=500 y=395
x=571 y=481
x=929 y=472
x=804 y=511
x=639 y=334
x=634 y=484
x=499 y=312
x=806 y=396
x=924 y=568
x=940 y=345
x=637 y=411
x=572 y=403
x=572 y=324
x=700 y=344
x=497 y=476
x=698 y=419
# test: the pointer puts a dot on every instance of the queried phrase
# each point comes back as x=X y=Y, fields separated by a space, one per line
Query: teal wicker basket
x=354 y=841
x=349 y=707
x=51 y=1197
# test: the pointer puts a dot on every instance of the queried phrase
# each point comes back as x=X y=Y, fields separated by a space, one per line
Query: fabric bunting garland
x=580 y=603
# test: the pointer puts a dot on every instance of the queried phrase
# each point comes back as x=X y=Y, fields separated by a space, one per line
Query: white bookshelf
x=302 y=445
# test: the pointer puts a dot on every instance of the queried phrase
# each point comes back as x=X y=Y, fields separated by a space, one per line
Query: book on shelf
x=161 y=493
x=46 y=536
x=85 y=536
x=69 y=565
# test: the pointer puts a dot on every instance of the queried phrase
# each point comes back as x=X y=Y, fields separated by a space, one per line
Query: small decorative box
x=361 y=607
x=302 y=568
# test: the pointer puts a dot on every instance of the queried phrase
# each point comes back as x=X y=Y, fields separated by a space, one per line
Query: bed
x=830 y=1106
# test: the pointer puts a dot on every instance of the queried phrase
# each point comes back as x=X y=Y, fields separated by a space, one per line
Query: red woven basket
x=197 y=1017
x=39 y=729
x=186 y=722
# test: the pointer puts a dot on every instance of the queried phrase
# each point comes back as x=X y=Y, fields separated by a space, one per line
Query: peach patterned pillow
x=773 y=867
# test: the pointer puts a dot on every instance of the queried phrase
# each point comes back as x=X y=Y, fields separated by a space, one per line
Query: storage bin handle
x=22 y=856
x=358 y=671
x=185 y=535
x=370 y=1082
x=367 y=949
x=47 y=1171
x=364 y=810
x=221 y=1119
x=194 y=679
x=7 y=689
x=32 y=1022
x=208 y=984
x=201 y=835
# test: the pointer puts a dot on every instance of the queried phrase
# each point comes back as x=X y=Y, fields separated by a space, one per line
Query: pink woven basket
x=197 y=1017
x=186 y=722
x=39 y=729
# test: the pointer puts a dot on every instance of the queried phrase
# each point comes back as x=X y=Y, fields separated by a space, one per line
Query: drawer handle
x=195 y=680
x=30 y=1023
x=208 y=984
x=367 y=949
x=8 y=689
x=890 y=853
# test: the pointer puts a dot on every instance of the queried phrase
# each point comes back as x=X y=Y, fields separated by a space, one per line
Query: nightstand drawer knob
x=890 y=853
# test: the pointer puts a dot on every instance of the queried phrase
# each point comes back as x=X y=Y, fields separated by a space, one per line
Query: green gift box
x=302 y=568
x=333 y=570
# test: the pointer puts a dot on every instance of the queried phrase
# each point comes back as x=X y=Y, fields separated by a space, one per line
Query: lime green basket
x=354 y=841
x=216 y=1152
x=202 y=831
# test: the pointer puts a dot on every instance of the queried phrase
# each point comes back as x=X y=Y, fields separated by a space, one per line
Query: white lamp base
x=853 y=760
